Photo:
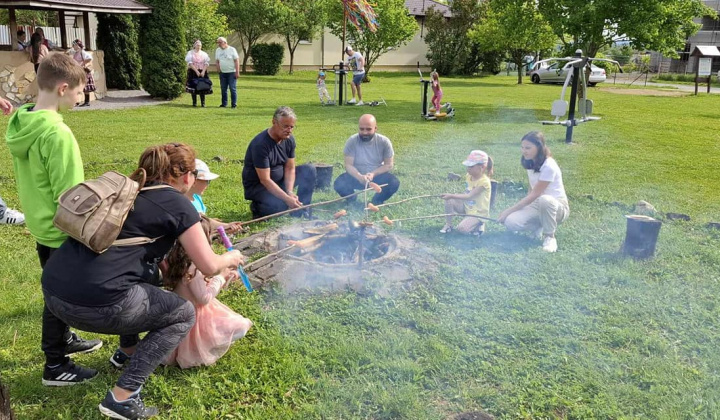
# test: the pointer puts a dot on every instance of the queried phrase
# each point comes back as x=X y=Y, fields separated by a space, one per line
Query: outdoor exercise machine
x=424 y=111
x=342 y=86
x=577 y=79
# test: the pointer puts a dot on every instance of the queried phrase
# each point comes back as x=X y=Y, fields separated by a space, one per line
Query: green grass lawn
x=498 y=326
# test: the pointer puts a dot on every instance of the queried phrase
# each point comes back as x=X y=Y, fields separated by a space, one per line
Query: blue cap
x=322 y=73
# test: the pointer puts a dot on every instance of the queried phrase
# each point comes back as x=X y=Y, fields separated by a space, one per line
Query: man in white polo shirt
x=228 y=65
x=356 y=62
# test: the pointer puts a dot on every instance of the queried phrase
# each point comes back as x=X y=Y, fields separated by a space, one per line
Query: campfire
x=331 y=255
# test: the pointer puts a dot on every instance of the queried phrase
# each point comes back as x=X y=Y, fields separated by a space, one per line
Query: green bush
x=117 y=36
x=162 y=48
x=267 y=58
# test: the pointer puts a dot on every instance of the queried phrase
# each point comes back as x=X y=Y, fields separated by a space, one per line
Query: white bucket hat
x=204 y=173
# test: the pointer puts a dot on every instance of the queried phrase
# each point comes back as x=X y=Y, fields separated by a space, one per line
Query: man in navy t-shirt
x=269 y=175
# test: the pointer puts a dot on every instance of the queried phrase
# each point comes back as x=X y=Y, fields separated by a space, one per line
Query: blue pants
x=228 y=80
x=264 y=203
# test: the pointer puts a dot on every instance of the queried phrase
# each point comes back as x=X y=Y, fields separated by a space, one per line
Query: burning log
x=322 y=229
x=322 y=203
x=273 y=255
x=304 y=243
x=390 y=222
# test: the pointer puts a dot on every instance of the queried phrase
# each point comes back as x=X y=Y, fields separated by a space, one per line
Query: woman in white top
x=198 y=82
x=546 y=204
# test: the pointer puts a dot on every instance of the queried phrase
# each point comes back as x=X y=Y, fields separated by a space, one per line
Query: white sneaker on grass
x=12 y=217
x=351 y=101
x=549 y=244
x=360 y=103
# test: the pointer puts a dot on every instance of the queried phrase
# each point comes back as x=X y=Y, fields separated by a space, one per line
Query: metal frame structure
x=585 y=105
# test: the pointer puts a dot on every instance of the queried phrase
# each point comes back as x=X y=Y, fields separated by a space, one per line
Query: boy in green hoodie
x=46 y=160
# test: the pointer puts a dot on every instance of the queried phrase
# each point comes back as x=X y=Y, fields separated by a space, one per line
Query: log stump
x=641 y=236
x=324 y=176
x=6 y=412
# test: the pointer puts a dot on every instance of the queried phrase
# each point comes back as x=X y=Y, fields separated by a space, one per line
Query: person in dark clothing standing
x=269 y=175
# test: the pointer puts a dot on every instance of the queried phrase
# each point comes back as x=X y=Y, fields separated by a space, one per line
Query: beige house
x=326 y=50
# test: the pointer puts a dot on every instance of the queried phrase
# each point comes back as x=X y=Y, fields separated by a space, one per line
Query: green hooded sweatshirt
x=47 y=161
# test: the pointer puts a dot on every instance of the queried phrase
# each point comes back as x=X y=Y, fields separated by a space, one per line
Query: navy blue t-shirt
x=263 y=152
x=78 y=275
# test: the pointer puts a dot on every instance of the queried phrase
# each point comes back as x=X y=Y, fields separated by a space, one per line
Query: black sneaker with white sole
x=130 y=409
x=67 y=374
x=119 y=358
x=77 y=345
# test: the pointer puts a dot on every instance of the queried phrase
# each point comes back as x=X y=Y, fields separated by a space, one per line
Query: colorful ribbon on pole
x=361 y=14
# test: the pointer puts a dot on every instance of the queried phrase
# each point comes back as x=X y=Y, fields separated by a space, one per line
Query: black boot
x=202 y=101
x=194 y=98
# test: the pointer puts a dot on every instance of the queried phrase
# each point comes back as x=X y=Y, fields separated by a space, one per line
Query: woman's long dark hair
x=538 y=139
x=36 y=43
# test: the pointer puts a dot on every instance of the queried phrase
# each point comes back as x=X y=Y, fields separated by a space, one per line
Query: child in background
x=322 y=90
x=476 y=199
x=216 y=326
x=202 y=181
x=437 y=91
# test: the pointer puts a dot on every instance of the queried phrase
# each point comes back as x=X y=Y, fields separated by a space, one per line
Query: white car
x=557 y=71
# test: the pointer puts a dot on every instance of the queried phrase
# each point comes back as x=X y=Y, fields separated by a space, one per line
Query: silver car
x=557 y=72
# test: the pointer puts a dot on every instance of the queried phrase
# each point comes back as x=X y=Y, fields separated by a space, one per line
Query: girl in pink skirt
x=437 y=91
x=216 y=326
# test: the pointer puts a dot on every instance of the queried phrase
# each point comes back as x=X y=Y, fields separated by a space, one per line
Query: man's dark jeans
x=228 y=80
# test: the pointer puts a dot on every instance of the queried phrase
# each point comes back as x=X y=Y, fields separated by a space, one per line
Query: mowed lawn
x=496 y=325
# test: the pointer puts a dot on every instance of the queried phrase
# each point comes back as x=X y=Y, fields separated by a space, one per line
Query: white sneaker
x=549 y=244
x=446 y=229
x=360 y=103
x=351 y=101
x=12 y=217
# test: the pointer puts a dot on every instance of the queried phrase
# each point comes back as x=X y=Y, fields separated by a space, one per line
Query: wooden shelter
x=703 y=70
x=63 y=6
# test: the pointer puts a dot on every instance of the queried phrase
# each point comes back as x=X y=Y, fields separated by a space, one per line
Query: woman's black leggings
x=166 y=316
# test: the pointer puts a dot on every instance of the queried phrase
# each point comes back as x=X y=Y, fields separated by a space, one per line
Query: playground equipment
x=432 y=114
x=342 y=86
x=577 y=79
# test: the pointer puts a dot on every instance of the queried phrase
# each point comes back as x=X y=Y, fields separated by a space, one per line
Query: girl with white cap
x=202 y=181
x=476 y=198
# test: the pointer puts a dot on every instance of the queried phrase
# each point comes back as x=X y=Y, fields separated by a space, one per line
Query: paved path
x=627 y=79
x=122 y=99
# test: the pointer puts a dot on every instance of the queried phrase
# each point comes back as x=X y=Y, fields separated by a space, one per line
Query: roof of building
x=420 y=7
x=706 y=51
x=95 y=6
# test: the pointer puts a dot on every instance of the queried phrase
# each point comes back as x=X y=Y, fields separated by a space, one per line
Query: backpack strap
x=140 y=240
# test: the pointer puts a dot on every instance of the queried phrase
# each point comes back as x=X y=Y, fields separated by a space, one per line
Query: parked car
x=557 y=72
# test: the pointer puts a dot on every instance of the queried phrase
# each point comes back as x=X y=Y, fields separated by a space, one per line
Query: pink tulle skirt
x=216 y=327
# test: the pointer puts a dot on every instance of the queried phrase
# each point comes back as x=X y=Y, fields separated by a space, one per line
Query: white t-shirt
x=227 y=58
x=550 y=172
x=356 y=63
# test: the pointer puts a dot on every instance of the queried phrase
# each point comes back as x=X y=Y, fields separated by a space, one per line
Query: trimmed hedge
x=117 y=36
x=162 y=47
x=267 y=58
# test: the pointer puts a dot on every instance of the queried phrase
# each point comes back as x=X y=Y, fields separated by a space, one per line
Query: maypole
x=361 y=14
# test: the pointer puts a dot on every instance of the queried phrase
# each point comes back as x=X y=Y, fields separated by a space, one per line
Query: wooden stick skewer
x=376 y=208
x=390 y=222
x=322 y=203
x=274 y=254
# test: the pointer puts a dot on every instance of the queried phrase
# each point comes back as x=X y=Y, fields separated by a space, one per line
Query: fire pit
x=321 y=255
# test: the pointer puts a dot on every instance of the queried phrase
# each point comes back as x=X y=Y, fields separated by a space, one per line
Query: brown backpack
x=94 y=211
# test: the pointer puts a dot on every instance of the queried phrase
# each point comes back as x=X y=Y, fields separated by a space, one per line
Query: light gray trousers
x=545 y=212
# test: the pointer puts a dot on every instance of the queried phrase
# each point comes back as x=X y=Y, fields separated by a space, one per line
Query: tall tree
x=395 y=28
x=162 y=48
x=117 y=36
x=659 y=25
x=514 y=27
x=300 y=20
x=203 y=22
x=251 y=19
x=448 y=39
